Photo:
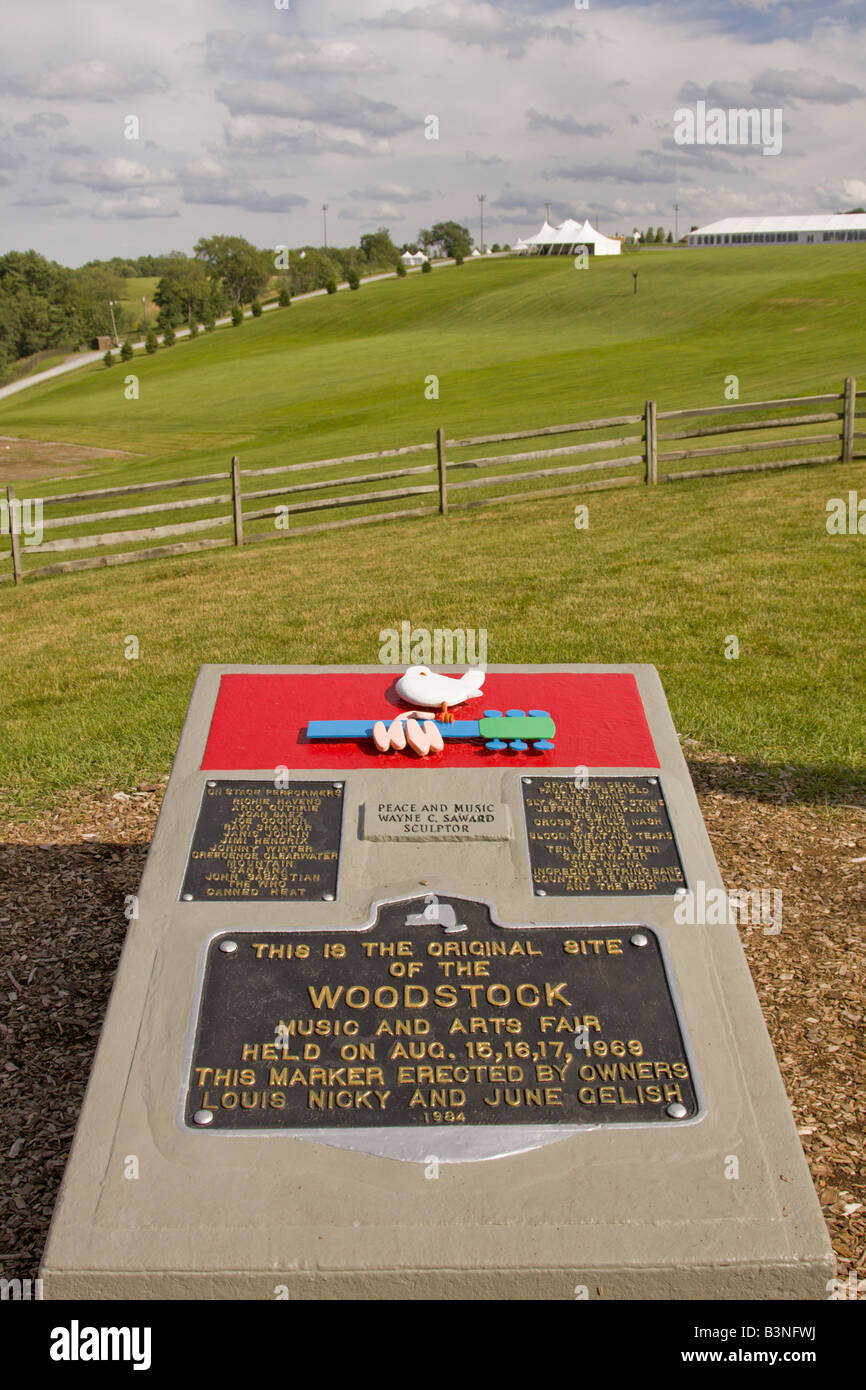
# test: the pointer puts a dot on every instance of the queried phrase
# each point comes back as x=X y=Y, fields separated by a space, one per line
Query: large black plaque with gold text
x=600 y=835
x=436 y=1016
x=254 y=840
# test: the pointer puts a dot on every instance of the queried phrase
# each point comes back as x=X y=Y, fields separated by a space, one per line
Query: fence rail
x=445 y=475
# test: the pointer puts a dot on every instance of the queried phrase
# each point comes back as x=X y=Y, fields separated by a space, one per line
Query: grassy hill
x=514 y=343
x=662 y=575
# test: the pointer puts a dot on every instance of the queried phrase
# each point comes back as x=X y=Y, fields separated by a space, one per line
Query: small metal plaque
x=440 y=819
x=256 y=841
x=611 y=835
x=435 y=1017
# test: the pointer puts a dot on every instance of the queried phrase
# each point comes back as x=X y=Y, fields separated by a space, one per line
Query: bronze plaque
x=255 y=841
x=436 y=1016
x=609 y=835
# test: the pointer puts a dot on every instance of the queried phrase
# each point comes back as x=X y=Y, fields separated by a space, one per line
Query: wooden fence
x=632 y=456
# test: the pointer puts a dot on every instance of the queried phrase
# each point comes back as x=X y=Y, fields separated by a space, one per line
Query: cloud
x=642 y=172
x=479 y=23
x=205 y=181
x=333 y=107
x=772 y=86
x=393 y=192
x=373 y=213
x=90 y=80
x=10 y=161
x=254 y=135
x=145 y=205
x=566 y=125
x=228 y=50
x=40 y=123
x=109 y=175
x=40 y=201
x=473 y=158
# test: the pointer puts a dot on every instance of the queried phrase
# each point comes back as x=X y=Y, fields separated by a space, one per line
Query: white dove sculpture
x=421 y=686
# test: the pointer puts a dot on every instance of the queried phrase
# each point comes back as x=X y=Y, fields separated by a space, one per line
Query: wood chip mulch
x=64 y=878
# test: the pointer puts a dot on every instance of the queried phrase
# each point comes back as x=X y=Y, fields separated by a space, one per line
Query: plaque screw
x=527 y=780
x=677 y=1110
x=653 y=781
x=540 y=893
x=211 y=784
x=327 y=897
x=338 y=785
x=187 y=898
x=203 y=1117
x=639 y=939
x=228 y=947
x=681 y=893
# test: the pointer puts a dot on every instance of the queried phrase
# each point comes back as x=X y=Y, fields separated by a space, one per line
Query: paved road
x=84 y=359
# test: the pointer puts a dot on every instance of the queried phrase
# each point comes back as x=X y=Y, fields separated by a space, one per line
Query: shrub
x=193 y=328
x=169 y=338
x=401 y=270
x=426 y=268
x=151 y=342
x=331 y=286
x=285 y=298
x=458 y=260
x=353 y=279
x=209 y=324
x=108 y=359
x=237 y=316
x=256 y=307
x=126 y=353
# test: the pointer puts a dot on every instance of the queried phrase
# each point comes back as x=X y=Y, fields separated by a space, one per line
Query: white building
x=762 y=231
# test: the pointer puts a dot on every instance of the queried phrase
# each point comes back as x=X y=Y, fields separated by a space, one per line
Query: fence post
x=848 y=419
x=443 y=483
x=236 y=501
x=12 y=508
x=651 y=457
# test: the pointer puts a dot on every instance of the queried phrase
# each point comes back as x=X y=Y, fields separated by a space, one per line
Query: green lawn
x=662 y=574
x=514 y=343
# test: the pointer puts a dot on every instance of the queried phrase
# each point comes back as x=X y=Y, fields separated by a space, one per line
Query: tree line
x=46 y=305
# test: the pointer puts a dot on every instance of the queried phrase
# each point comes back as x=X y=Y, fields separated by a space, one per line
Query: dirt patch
x=63 y=882
x=22 y=460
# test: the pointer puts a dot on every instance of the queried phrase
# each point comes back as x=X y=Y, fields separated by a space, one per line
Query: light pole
x=144 y=309
x=547 y=219
x=325 y=221
x=111 y=304
x=482 y=199
x=676 y=222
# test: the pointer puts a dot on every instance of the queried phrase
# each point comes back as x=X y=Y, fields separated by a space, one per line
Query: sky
x=127 y=129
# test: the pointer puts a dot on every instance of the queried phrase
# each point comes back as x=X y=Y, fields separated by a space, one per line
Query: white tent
x=565 y=239
x=413 y=258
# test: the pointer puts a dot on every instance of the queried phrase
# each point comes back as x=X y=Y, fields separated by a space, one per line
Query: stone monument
x=411 y=1009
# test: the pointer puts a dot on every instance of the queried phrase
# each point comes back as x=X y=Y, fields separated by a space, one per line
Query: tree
x=151 y=342
x=426 y=268
x=183 y=291
x=378 y=249
x=401 y=270
x=353 y=278
x=256 y=307
x=209 y=323
x=284 y=298
x=454 y=239
x=331 y=285
x=425 y=240
x=237 y=316
x=670 y=238
x=108 y=359
x=193 y=327
x=126 y=352
x=458 y=259
x=660 y=235
x=236 y=264
x=169 y=337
